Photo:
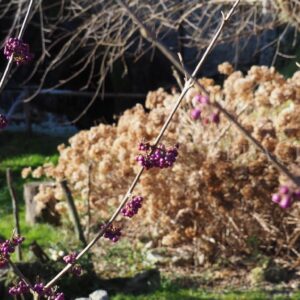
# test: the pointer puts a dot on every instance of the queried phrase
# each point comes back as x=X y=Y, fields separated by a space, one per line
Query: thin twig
x=21 y=275
x=4 y=77
x=73 y=212
x=225 y=130
x=15 y=209
x=187 y=86
x=147 y=34
x=100 y=24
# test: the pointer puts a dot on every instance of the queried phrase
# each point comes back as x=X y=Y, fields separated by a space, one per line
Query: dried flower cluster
x=218 y=194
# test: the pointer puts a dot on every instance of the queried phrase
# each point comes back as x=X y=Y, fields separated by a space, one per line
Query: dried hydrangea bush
x=218 y=194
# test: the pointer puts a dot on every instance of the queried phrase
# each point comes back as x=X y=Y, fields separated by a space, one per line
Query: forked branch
x=147 y=34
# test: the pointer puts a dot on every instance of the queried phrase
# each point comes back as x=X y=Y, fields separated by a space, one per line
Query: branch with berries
x=191 y=81
x=15 y=51
x=156 y=155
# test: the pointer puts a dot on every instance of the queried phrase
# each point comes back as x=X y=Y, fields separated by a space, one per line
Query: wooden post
x=15 y=208
x=73 y=212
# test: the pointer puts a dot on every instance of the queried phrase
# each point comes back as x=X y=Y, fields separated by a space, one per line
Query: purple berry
x=197 y=98
x=113 y=233
x=12 y=291
x=6 y=248
x=284 y=190
x=195 y=113
x=215 y=118
x=276 y=198
x=39 y=288
x=17 y=240
x=159 y=157
x=204 y=100
x=132 y=207
x=70 y=258
x=201 y=99
x=285 y=202
x=20 y=288
x=144 y=146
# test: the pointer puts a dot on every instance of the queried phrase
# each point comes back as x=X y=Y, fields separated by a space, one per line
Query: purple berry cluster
x=19 y=289
x=48 y=293
x=3 y=121
x=112 y=233
x=71 y=259
x=195 y=114
x=201 y=99
x=157 y=156
x=22 y=288
x=200 y=103
x=131 y=208
x=40 y=289
x=19 y=50
x=286 y=196
x=8 y=247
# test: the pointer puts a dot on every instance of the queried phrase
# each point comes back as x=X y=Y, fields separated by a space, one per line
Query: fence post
x=73 y=212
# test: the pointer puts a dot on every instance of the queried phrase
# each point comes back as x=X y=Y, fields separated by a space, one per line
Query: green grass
x=190 y=294
x=18 y=150
x=174 y=290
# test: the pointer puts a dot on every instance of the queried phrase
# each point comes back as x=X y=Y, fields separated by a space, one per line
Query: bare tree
x=90 y=36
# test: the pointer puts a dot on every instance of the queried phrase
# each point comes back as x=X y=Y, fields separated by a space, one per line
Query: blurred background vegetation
x=83 y=50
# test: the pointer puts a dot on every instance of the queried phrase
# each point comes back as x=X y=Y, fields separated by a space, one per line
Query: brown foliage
x=219 y=190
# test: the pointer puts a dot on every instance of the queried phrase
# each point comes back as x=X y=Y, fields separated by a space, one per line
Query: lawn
x=189 y=294
x=18 y=150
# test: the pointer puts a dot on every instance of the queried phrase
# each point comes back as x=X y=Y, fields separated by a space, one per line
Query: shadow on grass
x=17 y=151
